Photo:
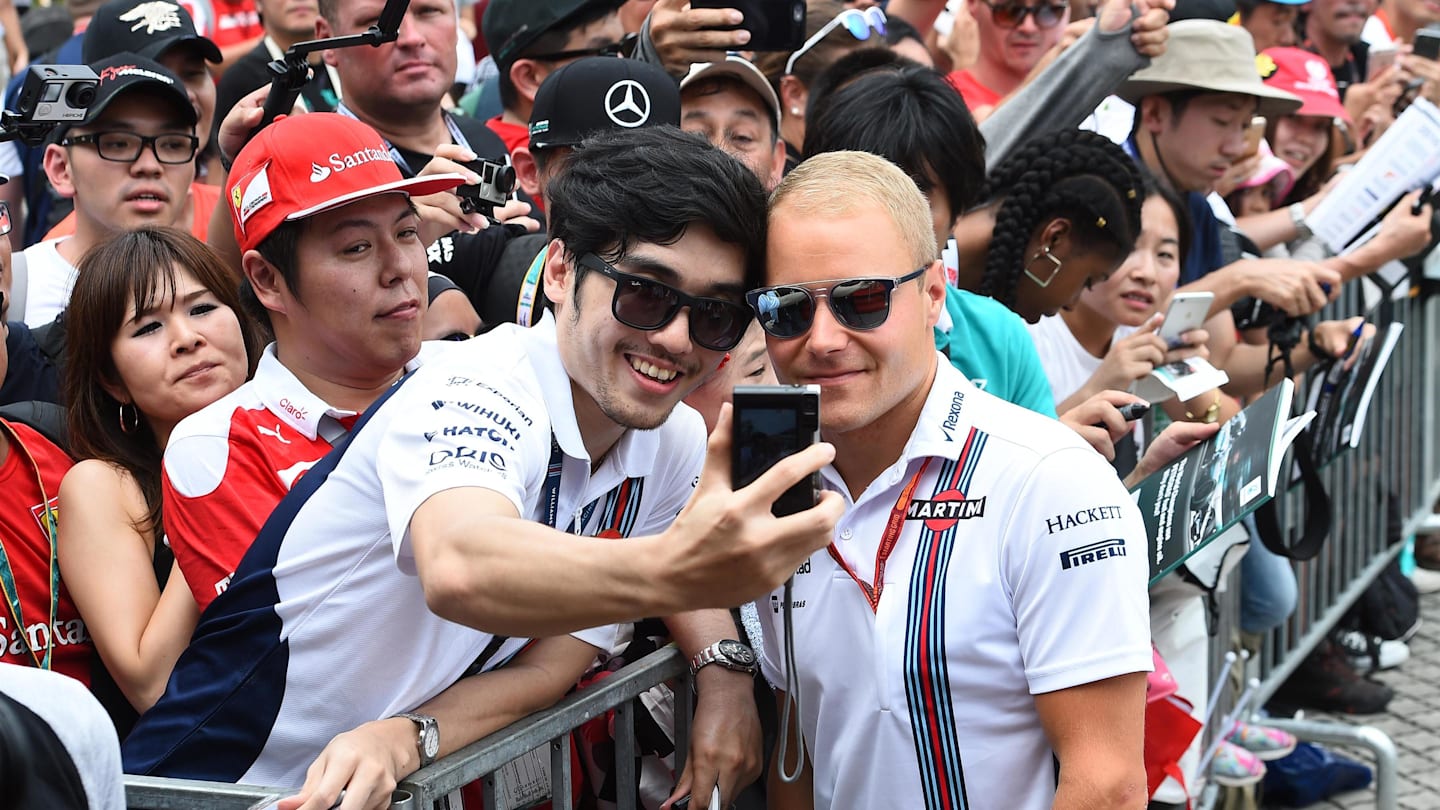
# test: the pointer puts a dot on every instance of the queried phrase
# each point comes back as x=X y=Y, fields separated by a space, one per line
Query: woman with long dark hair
x=155 y=333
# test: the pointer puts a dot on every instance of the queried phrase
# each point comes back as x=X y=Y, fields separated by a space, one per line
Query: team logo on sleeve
x=946 y=509
x=1092 y=552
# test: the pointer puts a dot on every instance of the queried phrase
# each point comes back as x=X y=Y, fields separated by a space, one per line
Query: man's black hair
x=904 y=112
x=549 y=42
x=623 y=187
x=1178 y=100
x=1074 y=174
x=898 y=30
x=282 y=250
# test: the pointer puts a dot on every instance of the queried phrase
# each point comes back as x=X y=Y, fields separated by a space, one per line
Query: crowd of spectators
x=322 y=458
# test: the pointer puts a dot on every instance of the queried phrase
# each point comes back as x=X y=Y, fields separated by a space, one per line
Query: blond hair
x=834 y=184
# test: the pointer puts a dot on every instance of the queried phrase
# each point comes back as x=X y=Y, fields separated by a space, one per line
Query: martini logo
x=1094 y=552
x=948 y=508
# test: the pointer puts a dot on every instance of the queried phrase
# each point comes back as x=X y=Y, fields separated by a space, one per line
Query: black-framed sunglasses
x=1012 y=15
x=646 y=304
x=860 y=304
x=625 y=47
x=125 y=147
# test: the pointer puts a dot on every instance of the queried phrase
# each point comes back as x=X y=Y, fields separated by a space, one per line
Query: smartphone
x=774 y=25
x=1187 y=311
x=1253 y=135
x=773 y=422
x=1427 y=43
x=1378 y=60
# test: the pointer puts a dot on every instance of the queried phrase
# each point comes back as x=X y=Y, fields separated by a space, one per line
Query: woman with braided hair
x=1061 y=214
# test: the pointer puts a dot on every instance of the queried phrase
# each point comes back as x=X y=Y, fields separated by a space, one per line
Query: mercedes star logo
x=627 y=103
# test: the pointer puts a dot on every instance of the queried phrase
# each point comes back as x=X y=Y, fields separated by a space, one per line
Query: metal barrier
x=1397 y=458
x=484 y=758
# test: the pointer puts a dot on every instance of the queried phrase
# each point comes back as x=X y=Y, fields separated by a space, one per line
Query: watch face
x=737 y=653
x=431 y=740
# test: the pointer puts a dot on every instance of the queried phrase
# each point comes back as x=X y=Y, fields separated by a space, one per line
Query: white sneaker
x=1363 y=652
x=1425 y=580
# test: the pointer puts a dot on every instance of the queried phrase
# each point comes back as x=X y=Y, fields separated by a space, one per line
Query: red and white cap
x=303 y=165
x=1305 y=75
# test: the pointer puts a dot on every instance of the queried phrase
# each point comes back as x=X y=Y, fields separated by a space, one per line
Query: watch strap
x=425 y=723
x=713 y=655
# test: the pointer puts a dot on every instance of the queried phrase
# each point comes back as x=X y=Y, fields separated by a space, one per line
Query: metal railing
x=483 y=759
x=1396 y=461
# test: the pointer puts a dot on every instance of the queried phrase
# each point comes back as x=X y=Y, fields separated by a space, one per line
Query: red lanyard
x=887 y=543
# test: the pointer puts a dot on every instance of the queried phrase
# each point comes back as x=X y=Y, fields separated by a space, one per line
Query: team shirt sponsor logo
x=1083 y=517
x=251 y=194
x=947 y=508
x=40 y=636
x=952 y=419
x=470 y=458
x=272 y=433
x=1092 y=552
x=337 y=162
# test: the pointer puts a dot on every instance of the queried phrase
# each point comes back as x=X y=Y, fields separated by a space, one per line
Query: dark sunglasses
x=646 y=304
x=860 y=304
x=1012 y=15
x=625 y=47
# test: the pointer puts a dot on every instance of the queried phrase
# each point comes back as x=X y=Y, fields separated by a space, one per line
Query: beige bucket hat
x=1210 y=56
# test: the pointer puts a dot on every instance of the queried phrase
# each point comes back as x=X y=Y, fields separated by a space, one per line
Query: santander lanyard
x=400 y=160
x=7 y=574
x=893 y=526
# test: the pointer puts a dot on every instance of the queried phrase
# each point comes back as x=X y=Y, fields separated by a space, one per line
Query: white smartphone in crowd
x=1188 y=310
x=1379 y=59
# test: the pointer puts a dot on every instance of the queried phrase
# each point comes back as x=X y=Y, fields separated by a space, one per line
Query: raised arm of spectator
x=1062 y=93
x=106 y=561
x=1251 y=367
x=1294 y=287
x=1403 y=233
x=367 y=762
x=676 y=35
x=919 y=13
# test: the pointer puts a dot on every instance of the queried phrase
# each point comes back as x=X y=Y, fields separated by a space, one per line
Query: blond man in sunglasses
x=980 y=615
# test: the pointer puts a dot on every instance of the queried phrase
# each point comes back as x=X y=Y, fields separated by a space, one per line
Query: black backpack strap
x=1317 y=509
x=45 y=418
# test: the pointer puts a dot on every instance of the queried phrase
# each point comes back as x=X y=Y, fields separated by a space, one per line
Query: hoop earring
x=1055 y=265
x=132 y=423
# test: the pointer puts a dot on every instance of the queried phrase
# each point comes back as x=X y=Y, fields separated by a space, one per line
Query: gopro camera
x=773 y=422
x=56 y=94
x=496 y=182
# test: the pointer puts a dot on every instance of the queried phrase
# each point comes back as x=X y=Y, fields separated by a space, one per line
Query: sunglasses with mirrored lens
x=860 y=304
x=859 y=22
x=646 y=304
x=1012 y=15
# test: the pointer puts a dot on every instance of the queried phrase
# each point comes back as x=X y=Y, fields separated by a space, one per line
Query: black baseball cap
x=511 y=25
x=125 y=72
x=599 y=93
x=145 y=27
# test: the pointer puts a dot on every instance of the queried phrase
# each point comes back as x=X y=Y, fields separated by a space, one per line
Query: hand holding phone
x=1187 y=311
x=774 y=25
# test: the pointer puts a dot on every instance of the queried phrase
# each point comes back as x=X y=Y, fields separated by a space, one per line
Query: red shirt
x=27 y=548
x=236 y=21
x=976 y=95
x=514 y=135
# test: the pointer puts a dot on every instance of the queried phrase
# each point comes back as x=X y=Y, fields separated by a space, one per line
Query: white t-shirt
x=324 y=625
x=51 y=278
x=1020 y=570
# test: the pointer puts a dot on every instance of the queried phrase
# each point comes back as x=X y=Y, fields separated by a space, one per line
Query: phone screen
x=1427 y=44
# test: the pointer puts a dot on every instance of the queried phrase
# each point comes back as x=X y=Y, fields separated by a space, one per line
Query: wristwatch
x=1297 y=218
x=728 y=653
x=428 y=740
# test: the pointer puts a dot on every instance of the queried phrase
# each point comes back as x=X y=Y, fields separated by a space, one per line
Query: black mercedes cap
x=599 y=93
x=147 y=27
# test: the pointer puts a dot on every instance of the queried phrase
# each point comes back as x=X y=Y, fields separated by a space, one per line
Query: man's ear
x=56 y=162
x=1154 y=114
x=527 y=173
x=557 y=274
x=777 y=165
x=934 y=281
x=269 y=286
x=527 y=75
x=324 y=31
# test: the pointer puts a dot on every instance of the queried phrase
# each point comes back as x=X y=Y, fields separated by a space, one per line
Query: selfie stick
x=290 y=73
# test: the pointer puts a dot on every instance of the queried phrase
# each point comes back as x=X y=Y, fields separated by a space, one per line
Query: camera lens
x=505 y=180
x=80 y=95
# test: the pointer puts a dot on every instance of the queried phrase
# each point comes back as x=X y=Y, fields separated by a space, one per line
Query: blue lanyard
x=552 y=492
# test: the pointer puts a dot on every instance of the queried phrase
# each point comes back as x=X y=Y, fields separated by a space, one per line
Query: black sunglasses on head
x=625 y=47
x=646 y=304
x=861 y=304
x=1012 y=15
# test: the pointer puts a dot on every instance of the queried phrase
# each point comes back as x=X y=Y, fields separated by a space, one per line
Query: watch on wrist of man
x=728 y=653
x=427 y=740
x=1297 y=218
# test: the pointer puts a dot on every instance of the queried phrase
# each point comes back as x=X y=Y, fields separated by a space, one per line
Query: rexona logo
x=945 y=510
x=338 y=163
x=1094 y=552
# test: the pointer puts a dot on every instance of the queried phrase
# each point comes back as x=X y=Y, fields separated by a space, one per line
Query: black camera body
x=496 y=182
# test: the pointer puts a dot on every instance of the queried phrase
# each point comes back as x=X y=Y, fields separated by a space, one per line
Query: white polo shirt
x=1019 y=570
x=324 y=625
